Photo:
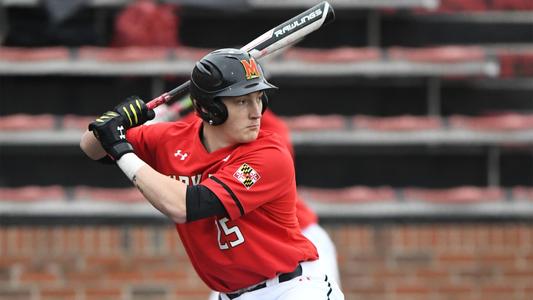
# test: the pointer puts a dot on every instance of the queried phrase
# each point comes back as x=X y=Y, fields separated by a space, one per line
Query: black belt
x=282 y=278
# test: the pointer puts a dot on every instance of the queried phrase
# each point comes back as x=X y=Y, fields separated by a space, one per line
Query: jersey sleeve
x=273 y=123
x=254 y=179
x=144 y=140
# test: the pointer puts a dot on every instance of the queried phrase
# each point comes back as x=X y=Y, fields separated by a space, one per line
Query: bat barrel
x=330 y=15
x=291 y=30
x=283 y=35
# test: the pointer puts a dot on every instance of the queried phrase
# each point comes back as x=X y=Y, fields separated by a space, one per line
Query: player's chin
x=249 y=135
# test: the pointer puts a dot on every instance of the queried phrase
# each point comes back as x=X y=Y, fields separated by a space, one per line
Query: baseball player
x=229 y=187
x=307 y=218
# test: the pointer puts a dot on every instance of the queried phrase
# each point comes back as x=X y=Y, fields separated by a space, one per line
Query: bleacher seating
x=338 y=55
x=503 y=122
x=399 y=123
x=87 y=203
x=483 y=5
x=113 y=200
x=123 y=54
x=455 y=195
x=523 y=193
x=71 y=121
x=515 y=63
x=17 y=54
x=316 y=122
x=378 y=90
x=432 y=5
x=27 y=122
x=107 y=194
x=447 y=61
x=308 y=129
x=32 y=193
x=353 y=195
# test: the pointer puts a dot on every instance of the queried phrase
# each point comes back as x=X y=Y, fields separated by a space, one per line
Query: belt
x=282 y=278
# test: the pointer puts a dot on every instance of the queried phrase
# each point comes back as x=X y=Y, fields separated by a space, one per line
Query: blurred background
x=412 y=122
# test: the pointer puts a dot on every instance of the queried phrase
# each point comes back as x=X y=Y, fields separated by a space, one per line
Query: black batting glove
x=134 y=111
x=110 y=130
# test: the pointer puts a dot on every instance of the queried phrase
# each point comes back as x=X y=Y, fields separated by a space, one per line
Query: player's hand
x=134 y=111
x=110 y=130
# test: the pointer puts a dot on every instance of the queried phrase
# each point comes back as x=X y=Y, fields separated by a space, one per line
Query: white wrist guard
x=130 y=163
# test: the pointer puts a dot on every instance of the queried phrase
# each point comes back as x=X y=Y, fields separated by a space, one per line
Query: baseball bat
x=276 y=38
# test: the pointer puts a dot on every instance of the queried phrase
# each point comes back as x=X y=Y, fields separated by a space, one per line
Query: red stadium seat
x=522 y=193
x=484 y=5
x=146 y=23
x=446 y=54
x=77 y=122
x=516 y=63
x=465 y=194
x=498 y=122
x=400 y=123
x=343 y=54
x=125 y=54
x=27 y=122
x=108 y=194
x=32 y=193
x=190 y=53
x=355 y=194
x=33 y=54
x=315 y=122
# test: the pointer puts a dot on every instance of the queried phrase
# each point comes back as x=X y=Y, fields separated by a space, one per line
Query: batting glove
x=134 y=111
x=110 y=130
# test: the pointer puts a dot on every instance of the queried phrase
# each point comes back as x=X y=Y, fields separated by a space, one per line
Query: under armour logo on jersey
x=182 y=156
x=121 y=129
x=246 y=175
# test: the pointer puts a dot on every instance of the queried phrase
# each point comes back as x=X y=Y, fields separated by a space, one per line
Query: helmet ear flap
x=264 y=99
x=215 y=112
x=225 y=73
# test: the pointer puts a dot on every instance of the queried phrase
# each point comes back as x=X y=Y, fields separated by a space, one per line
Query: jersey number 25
x=221 y=224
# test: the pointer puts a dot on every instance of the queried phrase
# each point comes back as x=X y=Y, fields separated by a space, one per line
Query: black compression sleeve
x=202 y=203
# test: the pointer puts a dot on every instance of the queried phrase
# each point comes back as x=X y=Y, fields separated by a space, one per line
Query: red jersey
x=270 y=122
x=256 y=184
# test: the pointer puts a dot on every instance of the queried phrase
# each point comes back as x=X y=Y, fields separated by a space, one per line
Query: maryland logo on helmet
x=246 y=175
x=250 y=68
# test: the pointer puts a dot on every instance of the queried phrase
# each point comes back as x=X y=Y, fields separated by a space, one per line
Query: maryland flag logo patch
x=246 y=175
x=250 y=68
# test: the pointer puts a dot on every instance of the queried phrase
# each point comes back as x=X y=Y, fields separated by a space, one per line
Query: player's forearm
x=165 y=194
x=91 y=146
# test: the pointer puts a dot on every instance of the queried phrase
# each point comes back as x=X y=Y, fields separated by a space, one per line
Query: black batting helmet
x=224 y=73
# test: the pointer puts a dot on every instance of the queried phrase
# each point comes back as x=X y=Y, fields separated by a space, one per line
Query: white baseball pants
x=314 y=284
